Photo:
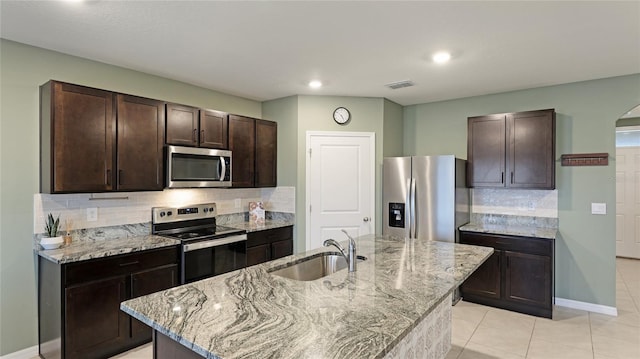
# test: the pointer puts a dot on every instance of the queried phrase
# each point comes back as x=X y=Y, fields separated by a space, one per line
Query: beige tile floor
x=481 y=332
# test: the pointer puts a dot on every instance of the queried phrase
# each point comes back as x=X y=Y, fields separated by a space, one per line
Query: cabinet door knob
x=366 y=219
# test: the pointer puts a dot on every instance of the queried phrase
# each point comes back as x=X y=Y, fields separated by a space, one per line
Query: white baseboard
x=27 y=353
x=589 y=307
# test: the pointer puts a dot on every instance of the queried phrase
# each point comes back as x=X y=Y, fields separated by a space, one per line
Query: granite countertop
x=83 y=250
x=251 y=313
x=99 y=243
x=528 y=231
x=268 y=224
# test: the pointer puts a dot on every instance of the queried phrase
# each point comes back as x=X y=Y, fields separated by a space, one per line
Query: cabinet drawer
x=540 y=246
x=118 y=265
x=269 y=236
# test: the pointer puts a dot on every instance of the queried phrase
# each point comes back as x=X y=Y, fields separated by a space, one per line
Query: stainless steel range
x=206 y=248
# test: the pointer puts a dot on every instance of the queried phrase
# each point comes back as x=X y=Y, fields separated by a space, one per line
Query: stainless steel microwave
x=191 y=167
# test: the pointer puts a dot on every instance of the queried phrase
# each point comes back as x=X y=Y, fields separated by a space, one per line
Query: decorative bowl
x=51 y=242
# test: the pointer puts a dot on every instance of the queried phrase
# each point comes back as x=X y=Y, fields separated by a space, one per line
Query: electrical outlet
x=238 y=203
x=531 y=206
x=92 y=214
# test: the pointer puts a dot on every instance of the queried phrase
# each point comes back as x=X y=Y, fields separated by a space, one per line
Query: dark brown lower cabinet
x=518 y=276
x=147 y=282
x=270 y=244
x=527 y=279
x=485 y=281
x=90 y=330
x=79 y=312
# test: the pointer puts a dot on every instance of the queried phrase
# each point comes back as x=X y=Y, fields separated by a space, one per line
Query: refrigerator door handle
x=407 y=211
x=412 y=230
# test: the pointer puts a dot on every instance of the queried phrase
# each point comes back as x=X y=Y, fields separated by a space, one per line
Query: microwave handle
x=223 y=172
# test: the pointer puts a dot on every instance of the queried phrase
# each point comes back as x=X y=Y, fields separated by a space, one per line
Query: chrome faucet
x=351 y=256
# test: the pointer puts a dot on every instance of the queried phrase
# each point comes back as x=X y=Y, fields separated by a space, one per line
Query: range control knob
x=211 y=209
x=162 y=214
x=169 y=213
x=206 y=210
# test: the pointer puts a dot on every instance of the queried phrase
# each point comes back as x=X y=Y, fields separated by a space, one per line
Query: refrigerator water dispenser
x=396 y=215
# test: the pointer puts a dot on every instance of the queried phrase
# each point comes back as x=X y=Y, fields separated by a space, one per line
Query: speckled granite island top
x=251 y=313
x=84 y=250
x=527 y=231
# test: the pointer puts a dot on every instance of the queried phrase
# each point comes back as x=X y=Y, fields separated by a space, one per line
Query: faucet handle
x=352 y=242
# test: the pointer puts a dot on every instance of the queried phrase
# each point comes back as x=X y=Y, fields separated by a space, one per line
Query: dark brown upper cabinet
x=266 y=153
x=242 y=143
x=254 y=145
x=182 y=125
x=140 y=123
x=190 y=126
x=93 y=140
x=513 y=150
x=213 y=129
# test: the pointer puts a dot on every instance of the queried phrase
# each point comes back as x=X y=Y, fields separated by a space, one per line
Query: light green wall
x=22 y=70
x=586 y=119
x=285 y=112
x=392 y=129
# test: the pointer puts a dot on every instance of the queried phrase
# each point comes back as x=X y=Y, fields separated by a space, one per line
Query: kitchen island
x=397 y=304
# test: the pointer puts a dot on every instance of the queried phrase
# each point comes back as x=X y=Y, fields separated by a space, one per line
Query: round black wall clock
x=341 y=115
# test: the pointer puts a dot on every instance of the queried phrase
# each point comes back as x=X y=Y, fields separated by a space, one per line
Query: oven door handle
x=213 y=243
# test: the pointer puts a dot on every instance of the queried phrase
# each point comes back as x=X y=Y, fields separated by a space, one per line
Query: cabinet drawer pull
x=119 y=177
x=511 y=177
x=201 y=136
x=501 y=177
x=193 y=135
x=128 y=263
x=108 y=177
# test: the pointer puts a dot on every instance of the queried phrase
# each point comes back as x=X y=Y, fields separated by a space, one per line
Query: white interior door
x=628 y=201
x=340 y=185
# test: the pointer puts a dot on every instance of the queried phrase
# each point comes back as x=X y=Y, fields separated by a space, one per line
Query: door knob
x=366 y=219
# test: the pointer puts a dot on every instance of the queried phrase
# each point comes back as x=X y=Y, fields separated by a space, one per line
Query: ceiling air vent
x=400 y=84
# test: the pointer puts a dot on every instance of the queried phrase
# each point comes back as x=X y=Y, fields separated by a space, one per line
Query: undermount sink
x=315 y=267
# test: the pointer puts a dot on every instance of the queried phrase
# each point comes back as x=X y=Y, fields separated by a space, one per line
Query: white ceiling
x=266 y=50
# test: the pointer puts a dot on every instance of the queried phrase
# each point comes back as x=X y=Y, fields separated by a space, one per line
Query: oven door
x=207 y=258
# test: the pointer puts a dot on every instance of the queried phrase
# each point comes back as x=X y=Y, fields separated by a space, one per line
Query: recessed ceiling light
x=315 y=84
x=441 y=57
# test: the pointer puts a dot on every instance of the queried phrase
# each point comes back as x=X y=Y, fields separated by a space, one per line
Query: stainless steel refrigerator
x=424 y=197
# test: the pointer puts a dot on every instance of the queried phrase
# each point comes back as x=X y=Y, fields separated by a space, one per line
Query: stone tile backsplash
x=136 y=208
x=491 y=219
x=515 y=202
